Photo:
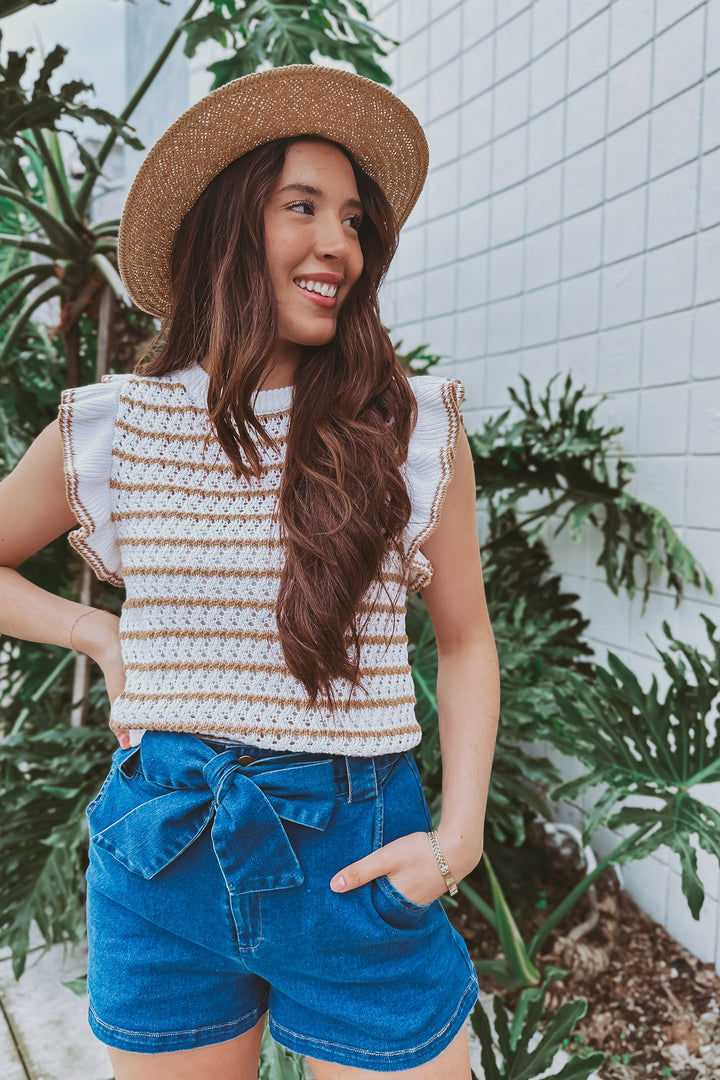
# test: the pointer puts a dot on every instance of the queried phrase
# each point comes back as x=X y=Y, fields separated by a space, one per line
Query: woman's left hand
x=411 y=866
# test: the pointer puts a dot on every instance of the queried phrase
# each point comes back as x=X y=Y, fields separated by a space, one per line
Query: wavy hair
x=343 y=503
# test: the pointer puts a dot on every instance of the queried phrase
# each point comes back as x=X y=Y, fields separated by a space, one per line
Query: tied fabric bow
x=246 y=803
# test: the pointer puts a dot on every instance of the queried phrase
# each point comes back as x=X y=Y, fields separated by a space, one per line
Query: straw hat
x=381 y=133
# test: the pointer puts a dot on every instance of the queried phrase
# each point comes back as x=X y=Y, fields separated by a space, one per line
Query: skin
x=34 y=511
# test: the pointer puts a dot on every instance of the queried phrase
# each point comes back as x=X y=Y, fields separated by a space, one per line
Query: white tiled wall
x=571 y=222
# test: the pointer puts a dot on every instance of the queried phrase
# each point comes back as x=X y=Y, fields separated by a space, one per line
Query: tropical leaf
x=648 y=752
x=527 y=1048
x=46 y=781
x=559 y=452
x=283 y=33
x=278 y=1063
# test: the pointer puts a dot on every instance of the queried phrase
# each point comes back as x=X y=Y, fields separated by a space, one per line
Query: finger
x=123 y=737
x=359 y=873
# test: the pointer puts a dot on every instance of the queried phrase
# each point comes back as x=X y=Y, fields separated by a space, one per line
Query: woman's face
x=311 y=240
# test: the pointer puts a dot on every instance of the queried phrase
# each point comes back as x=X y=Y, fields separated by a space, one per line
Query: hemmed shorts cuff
x=379 y=1061
x=145 y=1042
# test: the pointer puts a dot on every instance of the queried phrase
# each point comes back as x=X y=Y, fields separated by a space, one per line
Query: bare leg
x=236 y=1059
x=452 y=1064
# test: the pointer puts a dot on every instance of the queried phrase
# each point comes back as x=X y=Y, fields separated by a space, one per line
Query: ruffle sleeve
x=429 y=466
x=87 y=425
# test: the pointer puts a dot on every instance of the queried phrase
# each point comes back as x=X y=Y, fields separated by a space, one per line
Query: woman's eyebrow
x=309 y=190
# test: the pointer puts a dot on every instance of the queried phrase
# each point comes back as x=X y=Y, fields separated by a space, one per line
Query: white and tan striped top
x=198 y=551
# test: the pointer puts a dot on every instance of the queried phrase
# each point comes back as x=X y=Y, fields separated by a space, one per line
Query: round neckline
x=264 y=402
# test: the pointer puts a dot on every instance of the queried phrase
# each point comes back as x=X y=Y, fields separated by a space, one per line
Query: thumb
x=123 y=737
x=359 y=873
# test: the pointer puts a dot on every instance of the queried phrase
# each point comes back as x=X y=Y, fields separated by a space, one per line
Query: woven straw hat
x=381 y=133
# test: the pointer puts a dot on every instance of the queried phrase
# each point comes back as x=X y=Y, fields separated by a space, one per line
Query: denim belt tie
x=246 y=803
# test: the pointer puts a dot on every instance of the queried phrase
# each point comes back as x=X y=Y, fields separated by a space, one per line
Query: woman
x=266 y=487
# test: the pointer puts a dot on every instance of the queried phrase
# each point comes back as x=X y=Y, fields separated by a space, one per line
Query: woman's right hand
x=98 y=635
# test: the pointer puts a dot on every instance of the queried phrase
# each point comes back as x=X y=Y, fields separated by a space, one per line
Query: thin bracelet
x=442 y=865
x=90 y=611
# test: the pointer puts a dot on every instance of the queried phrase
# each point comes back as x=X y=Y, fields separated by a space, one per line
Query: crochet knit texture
x=200 y=555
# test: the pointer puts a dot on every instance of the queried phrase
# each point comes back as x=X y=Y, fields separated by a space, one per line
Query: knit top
x=199 y=552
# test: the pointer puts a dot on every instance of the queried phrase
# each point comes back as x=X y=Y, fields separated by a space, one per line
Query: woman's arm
x=33 y=512
x=468 y=690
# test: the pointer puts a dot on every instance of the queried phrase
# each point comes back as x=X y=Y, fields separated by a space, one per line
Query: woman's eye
x=355 y=220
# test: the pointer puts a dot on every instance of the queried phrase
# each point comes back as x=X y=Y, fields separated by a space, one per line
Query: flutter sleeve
x=87 y=426
x=429 y=466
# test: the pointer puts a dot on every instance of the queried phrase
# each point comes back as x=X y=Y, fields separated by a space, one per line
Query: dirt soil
x=653 y=1008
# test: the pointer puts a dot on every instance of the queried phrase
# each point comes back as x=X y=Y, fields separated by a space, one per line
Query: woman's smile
x=320 y=288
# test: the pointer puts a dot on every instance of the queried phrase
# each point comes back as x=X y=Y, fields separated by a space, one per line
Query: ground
x=653 y=1007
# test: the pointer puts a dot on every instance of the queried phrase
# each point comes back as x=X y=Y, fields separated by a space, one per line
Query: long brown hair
x=343 y=504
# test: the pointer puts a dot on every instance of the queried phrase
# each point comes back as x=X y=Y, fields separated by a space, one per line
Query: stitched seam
x=187 y=1031
x=380 y=1054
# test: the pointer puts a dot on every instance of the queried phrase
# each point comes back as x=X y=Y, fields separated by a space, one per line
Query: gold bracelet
x=442 y=865
x=90 y=611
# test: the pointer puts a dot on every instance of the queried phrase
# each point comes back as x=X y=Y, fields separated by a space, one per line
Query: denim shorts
x=209 y=903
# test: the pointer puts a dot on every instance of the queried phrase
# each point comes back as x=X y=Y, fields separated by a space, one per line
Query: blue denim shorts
x=209 y=903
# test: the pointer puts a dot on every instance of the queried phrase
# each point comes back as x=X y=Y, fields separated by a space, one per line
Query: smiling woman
x=267 y=485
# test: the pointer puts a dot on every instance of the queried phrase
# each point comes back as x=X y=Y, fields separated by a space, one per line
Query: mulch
x=653 y=1007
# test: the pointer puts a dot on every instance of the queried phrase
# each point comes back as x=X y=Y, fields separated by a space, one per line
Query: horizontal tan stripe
x=271 y=699
x=197 y=542
x=238 y=730
x=229 y=665
x=182 y=437
x=147 y=380
x=222 y=467
x=206 y=493
x=153 y=406
x=195 y=601
x=186 y=515
x=201 y=571
x=240 y=635
x=226 y=572
x=238 y=603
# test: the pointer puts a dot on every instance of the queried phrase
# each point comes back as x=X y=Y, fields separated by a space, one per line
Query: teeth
x=318 y=287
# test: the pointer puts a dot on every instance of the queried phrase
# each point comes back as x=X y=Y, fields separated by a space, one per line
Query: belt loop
x=361 y=778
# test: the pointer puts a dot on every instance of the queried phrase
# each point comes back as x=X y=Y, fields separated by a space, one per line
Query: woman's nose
x=332 y=239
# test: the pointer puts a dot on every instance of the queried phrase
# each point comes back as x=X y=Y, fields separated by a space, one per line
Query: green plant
x=519 y=1059
x=277 y=1063
x=638 y=745
x=47 y=779
x=558 y=452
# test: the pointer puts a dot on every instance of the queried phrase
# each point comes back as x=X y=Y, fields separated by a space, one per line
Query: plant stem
x=83 y=196
x=544 y=511
x=574 y=895
x=477 y=901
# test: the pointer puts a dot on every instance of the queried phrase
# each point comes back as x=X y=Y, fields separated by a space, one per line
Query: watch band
x=442 y=865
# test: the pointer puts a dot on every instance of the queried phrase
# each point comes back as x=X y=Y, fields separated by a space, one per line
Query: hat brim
x=383 y=135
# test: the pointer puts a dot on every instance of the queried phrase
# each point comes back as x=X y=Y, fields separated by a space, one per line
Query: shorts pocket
x=401 y=809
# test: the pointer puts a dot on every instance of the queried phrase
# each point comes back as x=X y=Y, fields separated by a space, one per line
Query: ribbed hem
x=264 y=402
